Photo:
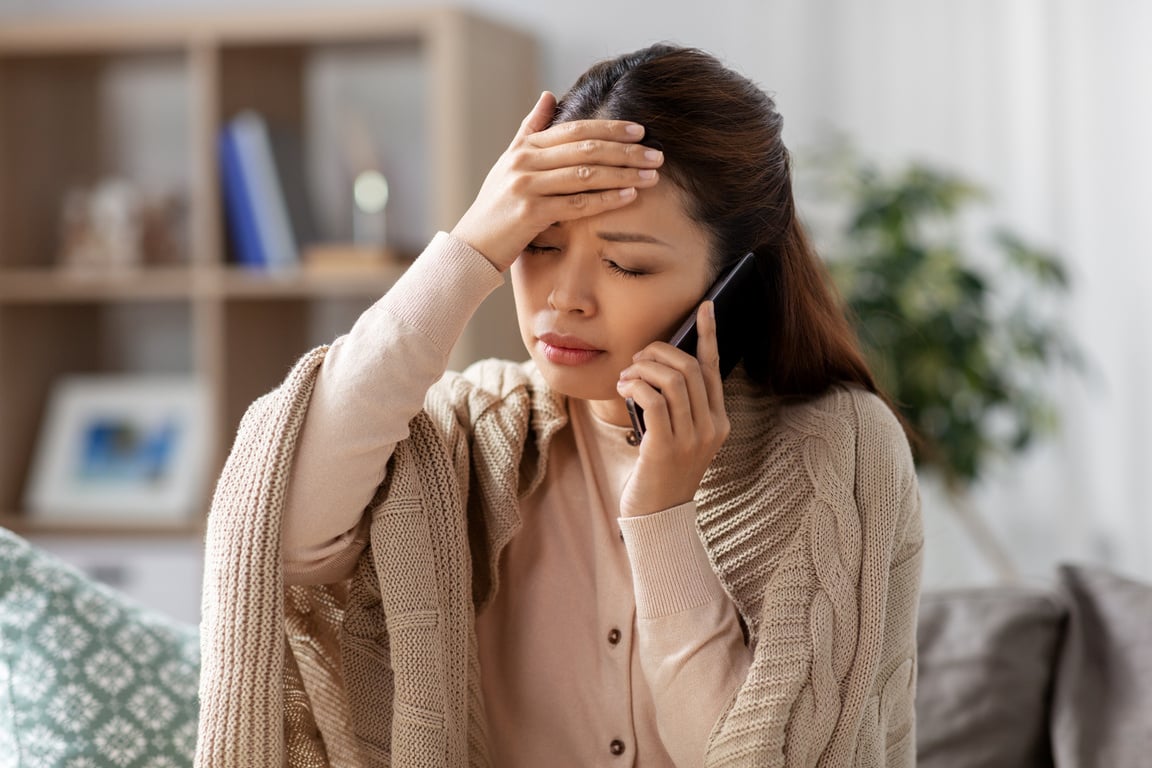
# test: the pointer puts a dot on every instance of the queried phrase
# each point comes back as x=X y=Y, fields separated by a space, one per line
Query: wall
x=1040 y=102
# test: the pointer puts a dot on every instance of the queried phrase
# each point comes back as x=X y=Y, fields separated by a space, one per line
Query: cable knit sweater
x=810 y=516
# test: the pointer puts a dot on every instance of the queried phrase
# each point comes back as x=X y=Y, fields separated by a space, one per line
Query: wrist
x=670 y=567
x=652 y=505
x=479 y=244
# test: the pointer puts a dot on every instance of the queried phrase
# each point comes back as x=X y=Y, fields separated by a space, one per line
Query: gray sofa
x=1022 y=677
x=1008 y=677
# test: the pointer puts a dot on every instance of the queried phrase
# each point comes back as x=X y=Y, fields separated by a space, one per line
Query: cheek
x=652 y=317
x=521 y=292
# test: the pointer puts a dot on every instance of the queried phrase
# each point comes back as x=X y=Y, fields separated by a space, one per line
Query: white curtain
x=1049 y=106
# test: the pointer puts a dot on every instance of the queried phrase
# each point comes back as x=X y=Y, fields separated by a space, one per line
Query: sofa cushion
x=86 y=676
x=986 y=658
x=1102 y=714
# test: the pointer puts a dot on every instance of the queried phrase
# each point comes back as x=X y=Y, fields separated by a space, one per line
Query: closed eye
x=614 y=267
x=534 y=248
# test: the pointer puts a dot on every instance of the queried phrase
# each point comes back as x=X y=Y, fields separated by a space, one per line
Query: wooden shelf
x=121 y=32
x=145 y=99
x=49 y=286
x=302 y=283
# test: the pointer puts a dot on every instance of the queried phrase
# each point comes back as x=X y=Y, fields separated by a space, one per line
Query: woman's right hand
x=558 y=173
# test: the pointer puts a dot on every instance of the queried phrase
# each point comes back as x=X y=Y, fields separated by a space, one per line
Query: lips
x=562 y=349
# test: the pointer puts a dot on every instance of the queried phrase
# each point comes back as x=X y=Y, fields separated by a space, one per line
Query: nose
x=572 y=286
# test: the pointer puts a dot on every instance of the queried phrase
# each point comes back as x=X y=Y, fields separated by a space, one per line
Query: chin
x=581 y=384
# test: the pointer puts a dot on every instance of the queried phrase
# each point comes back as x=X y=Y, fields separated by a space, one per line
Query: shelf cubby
x=438 y=93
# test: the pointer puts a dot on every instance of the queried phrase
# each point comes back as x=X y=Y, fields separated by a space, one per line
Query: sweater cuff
x=670 y=568
x=453 y=270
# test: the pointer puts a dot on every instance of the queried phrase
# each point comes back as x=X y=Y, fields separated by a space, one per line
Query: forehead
x=659 y=211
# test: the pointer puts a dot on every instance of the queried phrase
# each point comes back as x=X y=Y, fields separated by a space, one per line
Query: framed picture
x=121 y=449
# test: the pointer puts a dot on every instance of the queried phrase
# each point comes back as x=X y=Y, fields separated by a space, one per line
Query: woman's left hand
x=683 y=401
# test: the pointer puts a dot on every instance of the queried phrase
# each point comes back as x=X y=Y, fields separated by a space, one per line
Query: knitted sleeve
x=371 y=383
x=833 y=670
x=690 y=641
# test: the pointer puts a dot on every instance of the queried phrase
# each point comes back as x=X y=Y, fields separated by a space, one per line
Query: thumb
x=541 y=114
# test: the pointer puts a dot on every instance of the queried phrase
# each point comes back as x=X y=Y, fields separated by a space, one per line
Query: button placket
x=615 y=600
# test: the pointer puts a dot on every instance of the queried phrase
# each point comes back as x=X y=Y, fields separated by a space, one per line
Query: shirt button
x=614 y=636
x=616 y=747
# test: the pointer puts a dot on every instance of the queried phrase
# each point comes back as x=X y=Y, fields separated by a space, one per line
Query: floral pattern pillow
x=89 y=679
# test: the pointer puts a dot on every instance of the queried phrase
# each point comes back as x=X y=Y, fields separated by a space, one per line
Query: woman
x=513 y=578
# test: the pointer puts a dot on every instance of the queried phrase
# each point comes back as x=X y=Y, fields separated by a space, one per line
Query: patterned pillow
x=87 y=678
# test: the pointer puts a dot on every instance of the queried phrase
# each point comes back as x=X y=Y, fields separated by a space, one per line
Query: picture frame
x=121 y=449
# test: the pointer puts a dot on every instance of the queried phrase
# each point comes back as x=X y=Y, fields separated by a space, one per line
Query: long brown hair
x=720 y=134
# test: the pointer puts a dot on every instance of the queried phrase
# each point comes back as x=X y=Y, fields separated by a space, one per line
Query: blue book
x=262 y=208
x=238 y=203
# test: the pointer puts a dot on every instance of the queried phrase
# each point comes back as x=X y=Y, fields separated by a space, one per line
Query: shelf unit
x=64 y=120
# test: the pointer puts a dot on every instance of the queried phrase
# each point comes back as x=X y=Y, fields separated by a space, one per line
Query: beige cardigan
x=810 y=515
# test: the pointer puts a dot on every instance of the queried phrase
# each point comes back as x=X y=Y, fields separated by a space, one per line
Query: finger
x=656 y=421
x=581 y=130
x=590 y=178
x=708 y=355
x=596 y=152
x=674 y=386
x=694 y=382
x=540 y=116
x=583 y=204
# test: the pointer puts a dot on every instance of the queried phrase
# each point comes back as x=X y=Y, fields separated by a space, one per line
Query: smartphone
x=732 y=296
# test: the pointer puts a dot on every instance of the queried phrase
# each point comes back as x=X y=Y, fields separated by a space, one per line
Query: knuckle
x=518 y=160
x=579 y=202
x=588 y=146
x=523 y=210
x=519 y=184
x=584 y=172
x=524 y=204
x=723 y=428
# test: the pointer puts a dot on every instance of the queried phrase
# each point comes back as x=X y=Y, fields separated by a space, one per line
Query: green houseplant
x=961 y=332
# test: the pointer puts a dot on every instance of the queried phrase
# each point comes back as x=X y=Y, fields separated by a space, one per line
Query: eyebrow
x=630 y=237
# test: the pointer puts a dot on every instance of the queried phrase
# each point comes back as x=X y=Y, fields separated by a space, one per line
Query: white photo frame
x=121 y=449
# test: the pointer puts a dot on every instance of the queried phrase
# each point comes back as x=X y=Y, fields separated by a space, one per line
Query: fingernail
x=710 y=309
x=627 y=192
x=647 y=173
x=653 y=154
x=632 y=129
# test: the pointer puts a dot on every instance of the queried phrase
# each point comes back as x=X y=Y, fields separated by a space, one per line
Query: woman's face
x=593 y=292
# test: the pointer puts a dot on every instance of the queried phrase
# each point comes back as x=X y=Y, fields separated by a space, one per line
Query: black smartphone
x=732 y=296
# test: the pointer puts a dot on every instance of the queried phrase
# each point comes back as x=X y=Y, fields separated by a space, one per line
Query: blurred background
x=1041 y=105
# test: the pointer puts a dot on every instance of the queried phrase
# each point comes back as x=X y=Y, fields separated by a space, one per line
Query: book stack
x=265 y=197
